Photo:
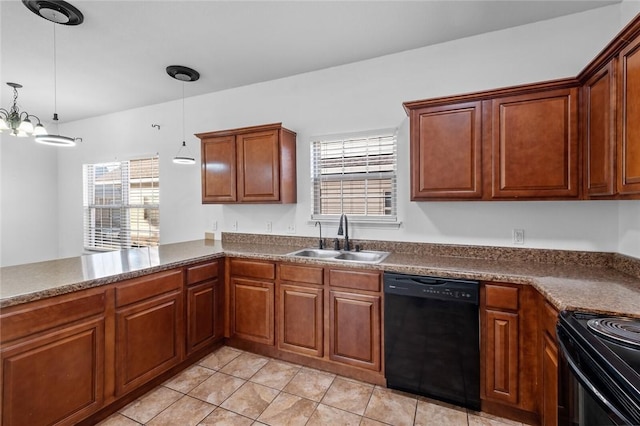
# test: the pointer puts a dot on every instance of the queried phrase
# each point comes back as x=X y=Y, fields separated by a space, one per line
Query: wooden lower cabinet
x=56 y=378
x=549 y=365
x=52 y=359
x=301 y=319
x=501 y=368
x=253 y=310
x=354 y=329
x=149 y=328
x=204 y=305
x=509 y=351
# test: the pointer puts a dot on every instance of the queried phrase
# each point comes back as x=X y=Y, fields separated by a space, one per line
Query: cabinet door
x=534 y=144
x=549 y=381
x=629 y=131
x=219 y=170
x=56 y=377
x=354 y=326
x=300 y=316
x=599 y=136
x=149 y=340
x=258 y=166
x=446 y=160
x=204 y=314
x=501 y=356
x=253 y=305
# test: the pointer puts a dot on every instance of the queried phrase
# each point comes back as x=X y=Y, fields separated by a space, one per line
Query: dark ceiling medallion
x=56 y=11
x=182 y=73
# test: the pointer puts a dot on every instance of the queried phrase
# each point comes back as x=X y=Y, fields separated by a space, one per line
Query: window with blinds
x=121 y=204
x=354 y=175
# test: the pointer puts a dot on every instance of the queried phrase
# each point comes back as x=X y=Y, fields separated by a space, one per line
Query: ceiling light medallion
x=19 y=121
x=58 y=12
x=183 y=74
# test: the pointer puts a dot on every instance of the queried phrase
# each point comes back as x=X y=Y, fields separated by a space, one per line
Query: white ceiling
x=116 y=59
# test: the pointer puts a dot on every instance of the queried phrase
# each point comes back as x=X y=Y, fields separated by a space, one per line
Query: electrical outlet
x=214 y=225
x=234 y=226
x=518 y=236
x=269 y=226
x=291 y=228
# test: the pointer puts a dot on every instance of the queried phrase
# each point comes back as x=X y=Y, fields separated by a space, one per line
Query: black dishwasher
x=432 y=338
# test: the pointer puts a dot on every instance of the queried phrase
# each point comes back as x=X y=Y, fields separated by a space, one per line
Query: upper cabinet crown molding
x=533 y=136
x=249 y=165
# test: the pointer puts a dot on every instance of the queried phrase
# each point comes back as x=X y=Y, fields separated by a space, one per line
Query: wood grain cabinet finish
x=355 y=329
x=629 y=125
x=300 y=309
x=252 y=307
x=249 y=165
x=53 y=359
x=301 y=319
x=446 y=152
x=509 y=351
x=355 y=321
x=549 y=365
x=599 y=118
x=205 y=306
x=149 y=328
x=534 y=145
x=219 y=170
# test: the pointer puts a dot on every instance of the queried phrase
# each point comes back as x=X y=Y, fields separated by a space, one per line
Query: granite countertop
x=572 y=286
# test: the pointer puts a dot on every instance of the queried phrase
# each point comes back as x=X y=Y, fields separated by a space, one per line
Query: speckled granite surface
x=569 y=280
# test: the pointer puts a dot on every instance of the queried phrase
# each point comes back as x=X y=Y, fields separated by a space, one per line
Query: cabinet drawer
x=144 y=287
x=198 y=273
x=253 y=269
x=43 y=315
x=358 y=280
x=501 y=297
x=301 y=274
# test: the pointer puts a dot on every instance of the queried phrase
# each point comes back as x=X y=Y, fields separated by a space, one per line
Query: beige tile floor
x=232 y=387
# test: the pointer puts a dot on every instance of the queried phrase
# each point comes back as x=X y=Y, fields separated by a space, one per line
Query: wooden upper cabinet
x=599 y=120
x=219 y=169
x=534 y=145
x=504 y=144
x=629 y=124
x=446 y=147
x=259 y=159
x=249 y=165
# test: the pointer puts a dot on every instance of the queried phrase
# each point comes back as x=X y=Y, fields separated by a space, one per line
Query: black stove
x=603 y=356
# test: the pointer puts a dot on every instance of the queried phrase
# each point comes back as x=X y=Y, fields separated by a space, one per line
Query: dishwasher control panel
x=432 y=287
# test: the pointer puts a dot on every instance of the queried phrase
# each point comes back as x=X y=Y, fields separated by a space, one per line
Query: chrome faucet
x=320 y=242
x=345 y=232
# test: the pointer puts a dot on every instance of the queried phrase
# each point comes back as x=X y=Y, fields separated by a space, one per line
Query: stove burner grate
x=620 y=330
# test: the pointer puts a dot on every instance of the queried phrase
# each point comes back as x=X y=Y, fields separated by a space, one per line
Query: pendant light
x=183 y=74
x=55 y=138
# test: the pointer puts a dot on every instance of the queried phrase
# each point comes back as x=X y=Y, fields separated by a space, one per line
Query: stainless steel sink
x=365 y=256
x=315 y=253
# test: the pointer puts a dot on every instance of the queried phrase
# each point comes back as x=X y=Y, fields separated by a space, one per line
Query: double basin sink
x=364 y=256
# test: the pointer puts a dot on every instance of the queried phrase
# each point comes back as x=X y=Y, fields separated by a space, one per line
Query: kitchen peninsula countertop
x=566 y=285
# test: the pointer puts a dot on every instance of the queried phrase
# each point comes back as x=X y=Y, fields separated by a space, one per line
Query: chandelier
x=19 y=122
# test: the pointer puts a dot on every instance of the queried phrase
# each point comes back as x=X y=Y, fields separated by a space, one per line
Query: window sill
x=361 y=224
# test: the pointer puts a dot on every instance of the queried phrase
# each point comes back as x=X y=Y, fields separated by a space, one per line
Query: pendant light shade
x=183 y=74
x=19 y=122
x=184 y=155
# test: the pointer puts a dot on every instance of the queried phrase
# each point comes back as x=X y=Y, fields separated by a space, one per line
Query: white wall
x=361 y=96
x=29 y=202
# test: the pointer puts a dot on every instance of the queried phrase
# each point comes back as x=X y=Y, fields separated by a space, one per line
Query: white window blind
x=354 y=175
x=121 y=204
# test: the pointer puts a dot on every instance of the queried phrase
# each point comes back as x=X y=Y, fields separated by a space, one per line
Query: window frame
x=124 y=205
x=366 y=220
